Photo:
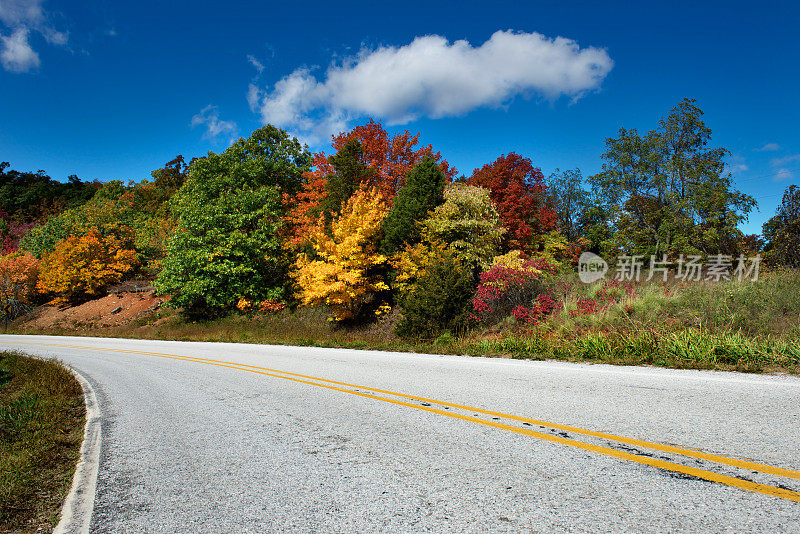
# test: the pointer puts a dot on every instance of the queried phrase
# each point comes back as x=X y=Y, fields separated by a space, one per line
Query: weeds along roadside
x=751 y=326
x=41 y=430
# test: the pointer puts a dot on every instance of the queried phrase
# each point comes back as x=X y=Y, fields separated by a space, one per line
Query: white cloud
x=769 y=147
x=254 y=95
x=16 y=54
x=255 y=63
x=431 y=77
x=209 y=116
x=777 y=162
x=783 y=174
x=21 y=12
x=21 y=17
x=55 y=37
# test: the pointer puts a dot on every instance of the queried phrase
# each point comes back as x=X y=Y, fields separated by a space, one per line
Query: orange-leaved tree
x=19 y=272
x=82 y=266
x=388 y=158
x=348 y=272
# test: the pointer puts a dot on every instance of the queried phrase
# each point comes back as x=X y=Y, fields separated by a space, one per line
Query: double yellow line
x=424 y=405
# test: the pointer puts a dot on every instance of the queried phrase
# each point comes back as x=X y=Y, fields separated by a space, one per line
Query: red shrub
x=505 y=291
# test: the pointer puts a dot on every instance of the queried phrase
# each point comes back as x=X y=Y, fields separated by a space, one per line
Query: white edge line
x=76 y=513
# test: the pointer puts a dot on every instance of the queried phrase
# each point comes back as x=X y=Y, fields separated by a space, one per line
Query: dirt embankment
x=120 y=308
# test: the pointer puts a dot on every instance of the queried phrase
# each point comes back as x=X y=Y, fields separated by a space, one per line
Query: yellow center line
x=661 y=464
x=743 y=464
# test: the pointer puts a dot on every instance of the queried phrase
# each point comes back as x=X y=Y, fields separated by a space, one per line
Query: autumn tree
x=782 y=231
x=518 y=191
x=83 y=266
x=389 y=158
x=668 y=190
x=229 y=213
x=19 y=273
x=421 y=193
x=468 y=223
x=347 y=273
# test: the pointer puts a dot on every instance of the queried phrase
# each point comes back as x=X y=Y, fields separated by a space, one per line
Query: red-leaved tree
x=517 y=191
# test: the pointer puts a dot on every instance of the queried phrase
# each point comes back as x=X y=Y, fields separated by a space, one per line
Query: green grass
x=41 y=430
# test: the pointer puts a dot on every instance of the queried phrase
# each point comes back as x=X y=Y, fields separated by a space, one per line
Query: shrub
x=83 y=266
x=513 y=283
x=439 y=299
x=543 y=306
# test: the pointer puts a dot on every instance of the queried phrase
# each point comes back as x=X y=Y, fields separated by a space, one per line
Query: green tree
x=569 y=199
x=782 y=232
x=668 y=190
x=421 y=193
x=229 y=214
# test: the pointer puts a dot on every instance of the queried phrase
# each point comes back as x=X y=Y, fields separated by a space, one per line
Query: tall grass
x=41 y=430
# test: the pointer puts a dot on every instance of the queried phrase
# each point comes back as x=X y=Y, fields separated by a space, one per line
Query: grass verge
x=41 y=431
x=748 y=327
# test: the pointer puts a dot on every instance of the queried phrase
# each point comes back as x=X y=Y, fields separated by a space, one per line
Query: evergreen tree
x=422 y=192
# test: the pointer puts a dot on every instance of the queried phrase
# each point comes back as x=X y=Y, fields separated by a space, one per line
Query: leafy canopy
x=518 y=191
x=468 y=222
x=783 y=230
x=388 y=158
x=81 y=267
x=229 y=212
x=667 y=190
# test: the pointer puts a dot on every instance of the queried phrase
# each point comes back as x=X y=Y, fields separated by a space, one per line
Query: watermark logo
x=591 y=267
x=716 y=268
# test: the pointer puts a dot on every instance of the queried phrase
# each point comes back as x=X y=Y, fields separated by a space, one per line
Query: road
x=208 y=437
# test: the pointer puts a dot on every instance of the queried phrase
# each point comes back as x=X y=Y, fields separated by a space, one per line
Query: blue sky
x=112 y=91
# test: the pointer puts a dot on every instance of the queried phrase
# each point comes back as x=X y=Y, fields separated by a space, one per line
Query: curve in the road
x=426 y=404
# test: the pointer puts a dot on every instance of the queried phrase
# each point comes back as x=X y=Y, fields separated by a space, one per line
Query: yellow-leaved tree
x=82 y=266
x=348 y=273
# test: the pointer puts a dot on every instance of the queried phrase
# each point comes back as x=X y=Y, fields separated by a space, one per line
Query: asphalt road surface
x=207 y=437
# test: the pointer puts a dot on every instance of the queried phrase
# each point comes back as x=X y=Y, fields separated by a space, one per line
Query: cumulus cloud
x=22 y=17
x=769 y=147
x=209 y=117
x=16 y=54
x=431 y=77
x=17 y=12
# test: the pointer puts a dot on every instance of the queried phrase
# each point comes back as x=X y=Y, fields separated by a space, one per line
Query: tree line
x=381 y=222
